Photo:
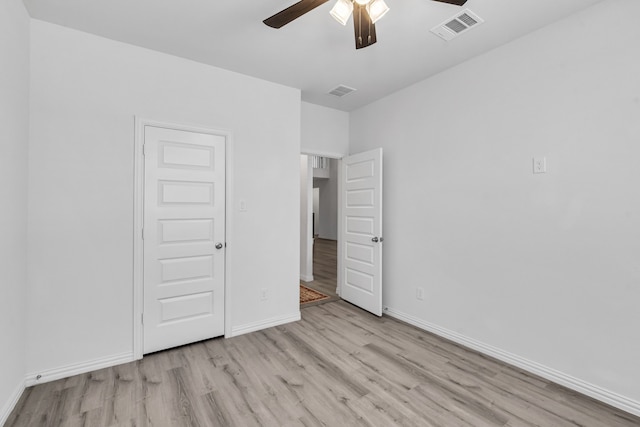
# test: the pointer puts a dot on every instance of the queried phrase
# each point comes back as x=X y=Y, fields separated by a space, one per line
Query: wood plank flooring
x=339 y=366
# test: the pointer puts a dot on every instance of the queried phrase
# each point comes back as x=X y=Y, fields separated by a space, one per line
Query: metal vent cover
x=341 y=90
x=457 y=25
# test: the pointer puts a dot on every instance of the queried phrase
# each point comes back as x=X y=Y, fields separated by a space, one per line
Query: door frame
x=338 y=158
x=138 y=221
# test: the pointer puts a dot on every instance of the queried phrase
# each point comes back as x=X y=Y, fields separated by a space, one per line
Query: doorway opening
x=183 y=249
x=359 y=226
x=319 y=227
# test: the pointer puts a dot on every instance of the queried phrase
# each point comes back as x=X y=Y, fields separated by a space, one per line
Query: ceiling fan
x=365 y=15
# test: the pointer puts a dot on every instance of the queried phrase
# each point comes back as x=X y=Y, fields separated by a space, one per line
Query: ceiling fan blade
x=365 y=30
x=455 y=2
x=293 y=12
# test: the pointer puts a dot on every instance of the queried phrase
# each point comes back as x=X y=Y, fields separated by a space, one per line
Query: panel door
x=362 y=230
x=184 y=237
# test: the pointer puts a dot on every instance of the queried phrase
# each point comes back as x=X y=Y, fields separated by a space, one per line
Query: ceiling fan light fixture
x=363 y=2
x=377 y=9
x=342 y=11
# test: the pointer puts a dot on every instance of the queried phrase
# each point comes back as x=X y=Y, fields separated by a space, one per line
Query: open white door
x=184 y=237
x=361 y=238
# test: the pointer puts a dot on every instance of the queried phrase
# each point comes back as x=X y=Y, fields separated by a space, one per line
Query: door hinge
x=144 y=149
x=142 y=318
x=142 y=233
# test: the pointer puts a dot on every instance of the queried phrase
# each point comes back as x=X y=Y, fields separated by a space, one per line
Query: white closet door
x=184 y=237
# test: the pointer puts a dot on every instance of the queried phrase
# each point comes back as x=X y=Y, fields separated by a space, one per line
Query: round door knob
x=218 y=245
x=375 y=240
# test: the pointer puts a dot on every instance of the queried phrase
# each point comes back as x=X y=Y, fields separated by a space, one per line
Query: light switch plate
x=539 y=165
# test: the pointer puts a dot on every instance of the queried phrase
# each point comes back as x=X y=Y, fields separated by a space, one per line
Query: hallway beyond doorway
x=325 y=269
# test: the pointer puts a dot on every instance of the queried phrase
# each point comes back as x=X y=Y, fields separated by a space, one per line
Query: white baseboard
x=11 y=403
x=599 y=393
x=264 y=324
x=306 y=278
x=78 y=368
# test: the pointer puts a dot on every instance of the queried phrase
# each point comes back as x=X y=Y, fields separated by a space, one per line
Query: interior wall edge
x=603 y=395
x=321 y=153
x=264 y=324
x=53 y=374
x=11 y=403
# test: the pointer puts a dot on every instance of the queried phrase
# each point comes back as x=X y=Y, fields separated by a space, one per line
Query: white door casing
x=184 y=237
x=361 y=230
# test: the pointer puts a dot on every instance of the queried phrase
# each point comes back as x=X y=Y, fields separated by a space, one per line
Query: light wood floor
x=339 y=366
x=325 y=270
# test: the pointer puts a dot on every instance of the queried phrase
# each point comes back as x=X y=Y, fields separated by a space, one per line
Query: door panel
x=362 y=230
x=185 y=193
x=185 y=230
x=183 y=221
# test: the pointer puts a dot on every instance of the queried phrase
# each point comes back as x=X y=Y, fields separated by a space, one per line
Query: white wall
x=321 y=173
x=316 y=208
x=328 y=224
x=306 y=209
x=325 y=131
x=544 y=267
x=14 y=135
x=85 y=93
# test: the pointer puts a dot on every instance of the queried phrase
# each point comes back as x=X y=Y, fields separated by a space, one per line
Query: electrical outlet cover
x=539 y=165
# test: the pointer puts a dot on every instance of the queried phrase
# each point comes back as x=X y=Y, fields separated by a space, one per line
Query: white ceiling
x=313 y=53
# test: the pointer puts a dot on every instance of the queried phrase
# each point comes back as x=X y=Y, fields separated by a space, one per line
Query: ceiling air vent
x=457 y=25
x=341 y=91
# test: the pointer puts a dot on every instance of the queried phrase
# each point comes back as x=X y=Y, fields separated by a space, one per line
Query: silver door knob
x=375 y=240
x=218 y=245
